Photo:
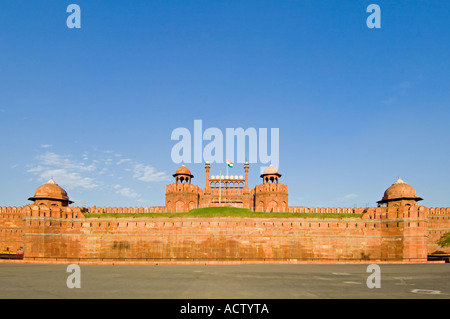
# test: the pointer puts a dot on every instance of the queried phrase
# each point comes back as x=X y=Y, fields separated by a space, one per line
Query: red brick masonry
x=52 y=234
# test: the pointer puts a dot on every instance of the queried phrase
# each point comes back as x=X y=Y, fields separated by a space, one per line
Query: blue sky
x=95 y=107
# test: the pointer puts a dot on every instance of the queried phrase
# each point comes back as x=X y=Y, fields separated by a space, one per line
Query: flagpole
x=220 y=186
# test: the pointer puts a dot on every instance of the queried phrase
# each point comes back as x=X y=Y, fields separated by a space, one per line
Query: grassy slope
x=215 y=212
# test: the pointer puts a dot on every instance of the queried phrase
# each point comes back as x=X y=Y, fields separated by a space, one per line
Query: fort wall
x=11 y=224
x=381 y=234
x=438 y=225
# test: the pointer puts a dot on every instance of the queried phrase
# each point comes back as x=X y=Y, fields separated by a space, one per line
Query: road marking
x=340 y=273
x=425 y=291
x=403 y=281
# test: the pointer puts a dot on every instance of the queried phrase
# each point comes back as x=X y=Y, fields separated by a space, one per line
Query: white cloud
x=126 y=191
x=55 y=160
x=46 y=145
x=92 y=172
x=64 y=170
x=124 y=160
x=36 y=169
x=71 y=179
x=147 y=173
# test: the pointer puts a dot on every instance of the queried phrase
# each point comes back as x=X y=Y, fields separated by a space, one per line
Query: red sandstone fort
x=50 y=230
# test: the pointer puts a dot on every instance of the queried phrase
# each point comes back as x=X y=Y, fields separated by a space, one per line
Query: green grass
x=217 y=212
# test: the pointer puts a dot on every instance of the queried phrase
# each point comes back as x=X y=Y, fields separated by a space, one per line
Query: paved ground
x=225 y=282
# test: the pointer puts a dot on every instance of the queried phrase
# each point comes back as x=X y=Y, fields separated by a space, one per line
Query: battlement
x=435 y=211
x=368 y=213
x=125 y=210
x=270 y=187
x=325 y=210
x=183 y=187
x=11 y=210
x=419 y=212
x=54 y=212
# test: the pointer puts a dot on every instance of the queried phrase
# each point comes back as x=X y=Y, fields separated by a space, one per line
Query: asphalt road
x=423 y=281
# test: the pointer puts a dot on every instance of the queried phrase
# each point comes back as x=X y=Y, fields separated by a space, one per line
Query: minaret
x=207 y=175
x=246 y=175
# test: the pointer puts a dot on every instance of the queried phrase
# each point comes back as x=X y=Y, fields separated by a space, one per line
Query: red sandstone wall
x=382 y=234
x=53 y=232
x=11 y=228
x=438 y=225
x=229 y=238
x=390 y=233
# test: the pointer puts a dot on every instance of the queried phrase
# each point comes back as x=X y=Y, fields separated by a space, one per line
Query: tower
x=182 y=196
x=271 y=196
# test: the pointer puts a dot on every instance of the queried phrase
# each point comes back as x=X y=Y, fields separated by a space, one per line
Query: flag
x=229 y=164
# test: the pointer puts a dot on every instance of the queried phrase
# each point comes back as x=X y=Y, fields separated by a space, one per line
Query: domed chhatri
x=399 y=194
x=270 y=170
x=183 y=170
x=270 y=175
x=51 y=194
x=183 y=175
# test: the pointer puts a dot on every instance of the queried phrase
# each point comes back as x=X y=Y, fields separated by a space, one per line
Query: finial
x=51 y=181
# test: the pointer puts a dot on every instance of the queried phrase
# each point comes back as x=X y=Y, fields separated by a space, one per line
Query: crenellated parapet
x=264 y=188
x=439 y=211
x=326 y=210
x=183 y=188
x=396 y=212
x=125 y=210
x=54 y=212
